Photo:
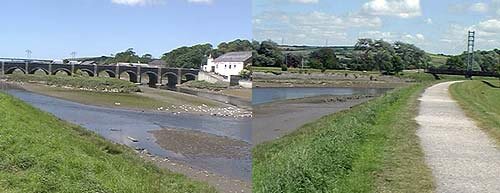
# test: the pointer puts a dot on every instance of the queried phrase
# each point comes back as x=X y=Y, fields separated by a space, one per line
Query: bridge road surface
x=462 y=157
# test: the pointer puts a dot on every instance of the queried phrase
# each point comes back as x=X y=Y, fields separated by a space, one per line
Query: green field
x=39 y=153
x=481 y=102
x=370 y=148
x=437 y=60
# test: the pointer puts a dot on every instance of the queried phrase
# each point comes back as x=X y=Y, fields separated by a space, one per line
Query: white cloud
x=312 y=28
x=491 y=26
x=417 y=39
x=479 y=7
x=399 y=8
x=305 y=1
x=428 y=21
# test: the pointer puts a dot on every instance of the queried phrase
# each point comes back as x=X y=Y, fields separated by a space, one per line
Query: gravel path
x=462 y=157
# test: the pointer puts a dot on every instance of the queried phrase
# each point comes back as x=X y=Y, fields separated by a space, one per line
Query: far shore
x=153 y=100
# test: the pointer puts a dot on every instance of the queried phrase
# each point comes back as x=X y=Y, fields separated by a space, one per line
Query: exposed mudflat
x=197 y=144
x=274 y=120
x=462 y=157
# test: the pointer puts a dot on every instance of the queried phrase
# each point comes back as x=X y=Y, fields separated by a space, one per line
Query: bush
x=201 y=84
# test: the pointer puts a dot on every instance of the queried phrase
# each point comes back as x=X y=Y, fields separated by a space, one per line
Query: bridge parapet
x=156 y=75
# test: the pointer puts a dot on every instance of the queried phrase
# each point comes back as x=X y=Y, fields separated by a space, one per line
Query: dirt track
x=462 y=157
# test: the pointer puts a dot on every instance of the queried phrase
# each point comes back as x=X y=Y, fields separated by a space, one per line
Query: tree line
x=182 y=57
x=367 y=54
x=487 y=61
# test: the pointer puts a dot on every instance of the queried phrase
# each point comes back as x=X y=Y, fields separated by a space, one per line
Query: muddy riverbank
x=347 y=80
x=276 y=119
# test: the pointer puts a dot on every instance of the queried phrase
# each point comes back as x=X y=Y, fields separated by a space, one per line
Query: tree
x=455 y=63
x=325 y=57
x=128 y=56
x=292 y=60
x=268 y=54
x=188 y=57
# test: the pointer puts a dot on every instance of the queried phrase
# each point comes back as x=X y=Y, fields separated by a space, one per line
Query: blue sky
x=438 y=26
x=52 y=29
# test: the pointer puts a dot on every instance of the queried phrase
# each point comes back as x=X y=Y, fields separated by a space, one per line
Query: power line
x=28 y=53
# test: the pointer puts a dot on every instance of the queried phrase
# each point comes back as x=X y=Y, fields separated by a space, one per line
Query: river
x=275 y=115
x=119 y=124
x=266 y=95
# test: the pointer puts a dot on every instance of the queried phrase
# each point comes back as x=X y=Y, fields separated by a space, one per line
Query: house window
x=225 y=66
x=235 y=66
x=229 y=66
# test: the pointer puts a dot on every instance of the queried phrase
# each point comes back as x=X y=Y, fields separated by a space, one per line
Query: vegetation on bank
x=49 y=155
x=201 y=84
x=481 y=101
x=370 y=148
x=99 y=84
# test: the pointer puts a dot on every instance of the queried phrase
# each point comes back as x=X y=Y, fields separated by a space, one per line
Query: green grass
x=481 y=102
x=39 y=153
x=201 y=84
x=87 y=83
x=437 y=60
x=370 y=148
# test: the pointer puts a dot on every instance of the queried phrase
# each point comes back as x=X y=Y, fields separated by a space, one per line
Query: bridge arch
x=110 y=73
x=67 y=71
x=188 y=77
x=169 y=79
x=132 y=76
x=87 y=71
x=34 y=70
x=12 y=69
x=151 y=78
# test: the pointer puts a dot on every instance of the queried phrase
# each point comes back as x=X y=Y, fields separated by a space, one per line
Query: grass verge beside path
x=370 y=148
x=39 y=153
x=481 y=102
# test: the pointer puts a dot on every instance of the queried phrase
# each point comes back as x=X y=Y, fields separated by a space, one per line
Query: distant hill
x=438 y=59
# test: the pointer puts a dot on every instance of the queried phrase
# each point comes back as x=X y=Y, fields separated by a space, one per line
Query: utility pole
x=28 y=53
x=73 y=55
x=470 y=53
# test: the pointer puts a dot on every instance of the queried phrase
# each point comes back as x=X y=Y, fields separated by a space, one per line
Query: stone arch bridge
x=155 y=76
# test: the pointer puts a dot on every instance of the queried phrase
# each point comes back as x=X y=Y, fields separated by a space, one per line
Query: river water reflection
x=119 y=124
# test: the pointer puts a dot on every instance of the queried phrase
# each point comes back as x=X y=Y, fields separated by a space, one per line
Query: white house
x=229 y=64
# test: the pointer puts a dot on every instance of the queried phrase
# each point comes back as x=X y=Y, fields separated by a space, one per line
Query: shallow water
x=267 y=95
x=119 y=124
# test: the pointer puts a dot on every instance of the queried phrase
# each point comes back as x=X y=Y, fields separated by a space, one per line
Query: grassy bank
x=370 y=148
x=480 y=101
x=100 y=84
x=39 y=153
x=201 y=84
